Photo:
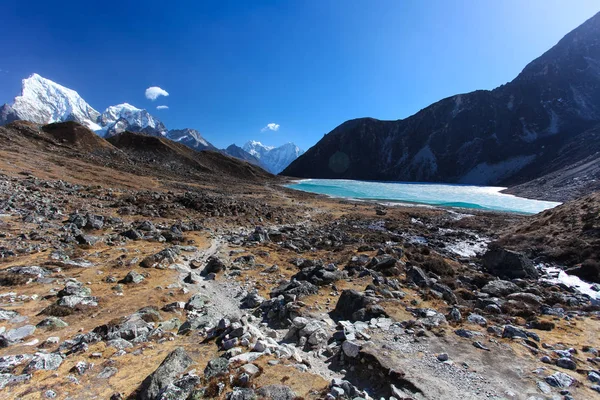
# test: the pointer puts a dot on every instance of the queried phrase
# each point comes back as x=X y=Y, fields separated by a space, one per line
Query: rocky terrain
x=132 y=268
x=543 y=121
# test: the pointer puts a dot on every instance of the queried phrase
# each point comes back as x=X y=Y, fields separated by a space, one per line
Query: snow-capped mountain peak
x=44 y=101
x=124 y=116
x=191 y=138
x=276 y=159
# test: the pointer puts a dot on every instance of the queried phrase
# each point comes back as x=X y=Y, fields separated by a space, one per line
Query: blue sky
x=232 y=67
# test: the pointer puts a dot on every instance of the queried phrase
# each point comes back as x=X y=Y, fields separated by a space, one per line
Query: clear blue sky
x=232 y=67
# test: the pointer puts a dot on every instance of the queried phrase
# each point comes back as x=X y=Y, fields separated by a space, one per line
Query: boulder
x=417 y=276
x=560 y=380
x=168 y=255
x=500 y=288
x=172 y=366
x=356 y=306
x=508 y=264
x=213 y=265
x=44 y=361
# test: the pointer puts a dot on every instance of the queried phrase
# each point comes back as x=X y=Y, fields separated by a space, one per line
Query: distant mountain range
x=541 y=122
x=43 y=101
x=274 y=158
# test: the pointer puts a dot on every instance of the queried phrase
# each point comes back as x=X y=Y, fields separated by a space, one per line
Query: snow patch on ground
x=557 y=275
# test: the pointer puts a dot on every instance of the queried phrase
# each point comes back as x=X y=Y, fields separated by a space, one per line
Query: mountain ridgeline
x=542 y=121
x=43 y=101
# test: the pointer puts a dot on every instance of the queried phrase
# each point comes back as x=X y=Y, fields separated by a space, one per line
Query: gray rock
x=442 y=357
x=216 y=367
x=477 y=319
x=6 y=315
x=119 y=344
x=168 y=255
x=107 y=372
x=133 y=277
x=455 y=315
x=560 y=380
x=73 y=301
x=417 y=276
x=350 y=349
x=252 y=300
x=8 y=363
x=44 y=361
x=500 y=288
x=594 y=377
x=466 y=333
x=75 y=289
x=513 y=332
x=172 y=366
x=544 y=387
x=196 y=302
x=52 y=323
x=566 y=363
x=250 y=369
x=508 y=264
x=276 y=392
x=214 y=265
x=8 y=379
x=241 y=394
x=193 y=278
x=18 y=334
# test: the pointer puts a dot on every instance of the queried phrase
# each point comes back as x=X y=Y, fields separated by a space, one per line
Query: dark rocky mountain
x=238 y=152
x=190 y=138
x=517 y=132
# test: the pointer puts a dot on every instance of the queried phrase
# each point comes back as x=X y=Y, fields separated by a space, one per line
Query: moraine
x=446 y=195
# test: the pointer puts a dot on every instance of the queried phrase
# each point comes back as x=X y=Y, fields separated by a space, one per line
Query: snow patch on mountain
x=191 y=138
x=485 y=173
x=275 y=159
x=43 y=101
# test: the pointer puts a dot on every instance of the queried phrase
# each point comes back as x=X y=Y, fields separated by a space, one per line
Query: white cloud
x=153 y=92
x=271 y=127
x=162 y=107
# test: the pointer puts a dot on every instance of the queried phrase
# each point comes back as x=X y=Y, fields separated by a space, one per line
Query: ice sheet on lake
x=467 y=196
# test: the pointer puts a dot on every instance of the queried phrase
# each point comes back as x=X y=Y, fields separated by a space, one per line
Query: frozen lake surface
x=467 y=196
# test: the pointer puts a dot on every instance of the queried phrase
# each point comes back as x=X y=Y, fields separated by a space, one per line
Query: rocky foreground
x=154 y=286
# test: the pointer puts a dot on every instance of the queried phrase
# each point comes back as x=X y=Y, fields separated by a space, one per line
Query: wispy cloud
x=271 y=127
x=162 y=107
x=153 y=92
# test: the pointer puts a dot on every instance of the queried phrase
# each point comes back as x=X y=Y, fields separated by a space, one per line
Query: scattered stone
x=52 y=323
x=566 y=363
x=133 y=277
x=560 y=380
